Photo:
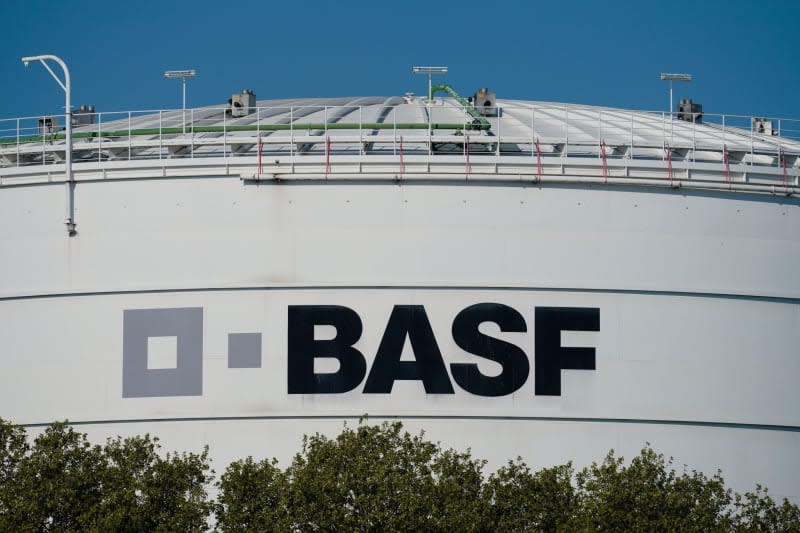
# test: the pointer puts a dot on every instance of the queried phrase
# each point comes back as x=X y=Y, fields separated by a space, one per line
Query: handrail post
x=630 y=155
x=291 y=134
x=224 y=135
x=428 y=104
x=130 y=137
x=17 y=142
x=99 y=141
x=44 y=145
x=600 y=123
x=191 y=133
x=497 y=154
x=565 y=152
x=160 y=133
x=533 y=131
x=258 y=121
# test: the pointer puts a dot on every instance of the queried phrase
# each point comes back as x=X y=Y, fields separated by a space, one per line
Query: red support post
x=260 y=148
x=668 y=159
x=726 y=161
x=327 y=156
x=603 y=156
x=402 y=164
x=783 y=165
x=467 y=167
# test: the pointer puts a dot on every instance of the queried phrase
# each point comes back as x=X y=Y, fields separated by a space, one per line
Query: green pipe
x=480 y=123
x=241 y=127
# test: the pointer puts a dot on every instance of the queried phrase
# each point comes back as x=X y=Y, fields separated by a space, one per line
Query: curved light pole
x=66 y=85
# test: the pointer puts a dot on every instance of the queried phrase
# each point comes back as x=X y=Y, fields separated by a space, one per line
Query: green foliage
x=63 y=483
x=368 y=478
x=380 y=478
x=252 y=497
x=13 y=448
x=648 y=495
x=371 y=478
x=521 y=500
x=757 y=511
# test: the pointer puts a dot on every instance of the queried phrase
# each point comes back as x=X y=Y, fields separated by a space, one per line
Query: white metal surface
x=696 y=287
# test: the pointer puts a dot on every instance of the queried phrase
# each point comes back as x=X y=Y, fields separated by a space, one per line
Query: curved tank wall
x=202 y=309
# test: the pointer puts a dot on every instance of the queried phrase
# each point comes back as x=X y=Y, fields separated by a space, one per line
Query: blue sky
x=744 y=56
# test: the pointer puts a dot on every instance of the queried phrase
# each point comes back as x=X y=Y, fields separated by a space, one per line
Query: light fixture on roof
x=430 y=71
x=181 y=75
x=67 y=86
x=666 y=76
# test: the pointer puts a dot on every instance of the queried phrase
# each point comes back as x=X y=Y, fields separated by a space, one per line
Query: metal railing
x=533 y=131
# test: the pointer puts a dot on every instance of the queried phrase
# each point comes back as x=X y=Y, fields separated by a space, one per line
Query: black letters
x=550 y=356
x=411 y=321
x=512 y=358
x=429 y=367
x=303 y=349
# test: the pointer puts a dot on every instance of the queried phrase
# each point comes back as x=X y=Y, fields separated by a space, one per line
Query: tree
x=521 y=500
x=648 y=495
x=369 y=478
x=757 y=511
x=13 y=448
x=64 y=483
x=252 y=497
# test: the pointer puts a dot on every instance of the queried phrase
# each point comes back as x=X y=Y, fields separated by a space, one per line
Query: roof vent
x=48 y=125
x=83 y=116
x=242 y=104
x=485 y=103
x=690 y=111
x=762 y=125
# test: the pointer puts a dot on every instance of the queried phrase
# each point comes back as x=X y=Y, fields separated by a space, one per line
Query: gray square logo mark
x=139 y=325
x=244 y=350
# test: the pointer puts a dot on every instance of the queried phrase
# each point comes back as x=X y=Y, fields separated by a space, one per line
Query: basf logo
x=545 y=357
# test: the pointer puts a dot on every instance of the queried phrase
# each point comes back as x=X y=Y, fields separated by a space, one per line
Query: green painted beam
x=480 y=123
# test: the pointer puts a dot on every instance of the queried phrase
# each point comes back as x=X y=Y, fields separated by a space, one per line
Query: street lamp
x=66 y=85
x=430 y=71
x=182 y=75
x=670 y=78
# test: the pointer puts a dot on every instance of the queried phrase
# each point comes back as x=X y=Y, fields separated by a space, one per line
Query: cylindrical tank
x=537 y=303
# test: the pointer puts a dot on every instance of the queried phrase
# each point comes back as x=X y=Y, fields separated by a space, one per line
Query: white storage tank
x=556 y=282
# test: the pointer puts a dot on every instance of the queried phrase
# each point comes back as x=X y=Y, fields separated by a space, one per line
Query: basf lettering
x=411 y=321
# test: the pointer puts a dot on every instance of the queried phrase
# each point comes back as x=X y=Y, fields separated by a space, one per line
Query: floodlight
x=666 y=76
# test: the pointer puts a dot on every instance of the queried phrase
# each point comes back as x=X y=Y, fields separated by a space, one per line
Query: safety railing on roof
x=532 y=130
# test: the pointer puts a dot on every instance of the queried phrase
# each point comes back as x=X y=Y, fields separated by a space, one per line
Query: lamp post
x=430 y=71
x=182 y=75
x=66 y=85
x=665 y=76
